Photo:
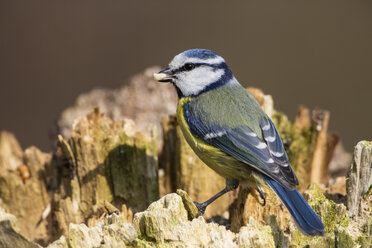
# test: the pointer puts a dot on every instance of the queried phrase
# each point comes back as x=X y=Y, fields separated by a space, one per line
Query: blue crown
x=200 y=53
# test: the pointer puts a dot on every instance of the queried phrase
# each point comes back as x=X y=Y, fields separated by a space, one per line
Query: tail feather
x=303 y=215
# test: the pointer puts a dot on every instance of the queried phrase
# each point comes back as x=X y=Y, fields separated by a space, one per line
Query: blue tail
x=303 y=215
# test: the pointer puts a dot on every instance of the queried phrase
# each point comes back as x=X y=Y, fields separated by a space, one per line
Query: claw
x=230 y=185
x=262 y=194
x=201 y=207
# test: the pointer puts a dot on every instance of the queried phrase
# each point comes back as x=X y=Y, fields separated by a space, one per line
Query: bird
x=230 y=132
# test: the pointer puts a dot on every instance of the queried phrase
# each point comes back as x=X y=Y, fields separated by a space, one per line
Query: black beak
x=164 y=75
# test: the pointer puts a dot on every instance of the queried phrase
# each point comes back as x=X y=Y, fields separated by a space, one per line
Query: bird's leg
x=230 y=185
x=202 y=206
x=262 y=194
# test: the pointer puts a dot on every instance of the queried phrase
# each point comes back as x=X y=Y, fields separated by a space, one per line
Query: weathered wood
x=340 y=162
x=102 y=161
x=237 y=208
x=324 y=148
x=105 y=161
x=106 y=165
x=248 y=204
x=9 y=233
x=141 y=99
x=359 y=178
x=23 y=192
x=303 y=119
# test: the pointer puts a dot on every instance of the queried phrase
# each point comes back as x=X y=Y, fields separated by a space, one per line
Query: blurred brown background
x=316 y=53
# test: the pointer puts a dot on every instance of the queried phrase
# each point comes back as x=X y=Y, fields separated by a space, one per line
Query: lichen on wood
x=359 y=183
x=333 y=216
x=359 y=192
x=165 y=224
x=105 y=161
x=104 y=170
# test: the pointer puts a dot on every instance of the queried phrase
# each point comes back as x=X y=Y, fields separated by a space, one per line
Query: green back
x=229 y=106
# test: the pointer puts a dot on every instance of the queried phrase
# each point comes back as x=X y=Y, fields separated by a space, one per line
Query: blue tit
x=229 y=131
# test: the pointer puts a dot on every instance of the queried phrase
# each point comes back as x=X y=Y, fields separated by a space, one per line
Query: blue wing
x=266 y=155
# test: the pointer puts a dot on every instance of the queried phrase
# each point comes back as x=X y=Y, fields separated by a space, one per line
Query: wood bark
x=105 y=165
x=359 y=178
x=103 y=161
x=106 y=161
x=23 y=189
x=324 y=148
x=246 y=204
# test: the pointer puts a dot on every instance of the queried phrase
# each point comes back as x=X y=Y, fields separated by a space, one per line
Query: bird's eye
x=189 y=66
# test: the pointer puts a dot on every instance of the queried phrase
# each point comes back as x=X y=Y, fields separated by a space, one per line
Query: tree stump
x=23 y=189
x=359 y=178
x=104 y=160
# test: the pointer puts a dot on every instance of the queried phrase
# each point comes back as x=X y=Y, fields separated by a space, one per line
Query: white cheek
x=192 y=82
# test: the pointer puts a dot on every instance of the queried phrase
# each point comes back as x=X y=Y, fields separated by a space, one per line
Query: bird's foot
x=201 y=207
x=262 y=194
x=113 y=212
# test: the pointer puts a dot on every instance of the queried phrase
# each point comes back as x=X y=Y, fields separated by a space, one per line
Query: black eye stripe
x=182 y=68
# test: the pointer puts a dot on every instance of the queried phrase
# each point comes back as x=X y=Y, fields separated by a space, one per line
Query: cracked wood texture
x=359 y=178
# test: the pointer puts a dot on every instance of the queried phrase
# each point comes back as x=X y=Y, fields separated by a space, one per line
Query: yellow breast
x=219 y=161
